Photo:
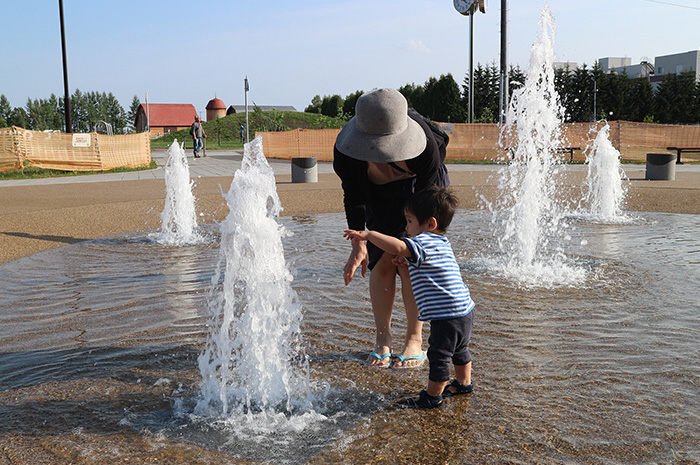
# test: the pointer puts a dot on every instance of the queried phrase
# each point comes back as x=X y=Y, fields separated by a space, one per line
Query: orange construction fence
x=21 y=148
x=481 y=141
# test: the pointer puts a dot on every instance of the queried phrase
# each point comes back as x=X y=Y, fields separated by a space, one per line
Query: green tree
x=19 y=118
x=675 y=99
x=414 y=96
x=332 y=105
x=114 y=114
x=640 y=100
x=44 y=114
x=133 y=110
x=447 y=100
x=5 y=109
x=315 y=106
x=579 y=105
x=349 y=103
x=486 y=91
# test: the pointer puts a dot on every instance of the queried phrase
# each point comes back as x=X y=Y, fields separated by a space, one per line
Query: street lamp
x=66 y=92
x=245 y=86
x=468 y=8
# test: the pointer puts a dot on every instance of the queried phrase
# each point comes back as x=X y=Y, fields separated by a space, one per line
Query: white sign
x=81 y=140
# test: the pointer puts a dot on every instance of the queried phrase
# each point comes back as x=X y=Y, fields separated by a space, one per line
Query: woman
x=384 y=154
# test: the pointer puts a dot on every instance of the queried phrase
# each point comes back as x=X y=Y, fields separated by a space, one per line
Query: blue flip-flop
x=402 y=359
x=380 y=358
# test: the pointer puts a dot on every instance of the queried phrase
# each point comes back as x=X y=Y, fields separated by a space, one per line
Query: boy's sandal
x=459 y=389
x=424 y=400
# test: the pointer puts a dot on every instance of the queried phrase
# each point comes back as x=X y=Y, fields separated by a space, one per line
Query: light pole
x=468 y=8
x=503 y=89
x=247 y=136
x=66 y=98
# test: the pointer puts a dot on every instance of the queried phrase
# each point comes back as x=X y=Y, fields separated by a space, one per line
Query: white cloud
x=415 y=45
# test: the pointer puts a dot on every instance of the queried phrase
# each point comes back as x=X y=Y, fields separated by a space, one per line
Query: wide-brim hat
x=381 y=130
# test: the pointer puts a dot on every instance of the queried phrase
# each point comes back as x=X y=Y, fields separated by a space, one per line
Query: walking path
x=226 y=162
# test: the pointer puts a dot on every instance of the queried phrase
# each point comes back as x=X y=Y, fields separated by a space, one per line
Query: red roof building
x=164 y=118
x=215 y=109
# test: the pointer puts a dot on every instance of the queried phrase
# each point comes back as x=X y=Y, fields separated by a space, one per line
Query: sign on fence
x=81 y=140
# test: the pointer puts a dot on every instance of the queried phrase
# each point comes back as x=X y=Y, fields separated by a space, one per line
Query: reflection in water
x=100 y=343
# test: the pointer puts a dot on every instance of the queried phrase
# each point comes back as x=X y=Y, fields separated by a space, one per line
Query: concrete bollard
x=304 y=169
x=661 y=166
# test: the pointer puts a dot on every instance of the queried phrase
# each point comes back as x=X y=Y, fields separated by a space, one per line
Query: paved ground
x=41 y=214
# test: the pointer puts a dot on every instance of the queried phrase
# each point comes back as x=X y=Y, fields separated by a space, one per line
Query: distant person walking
x=197 y=132
x=241 y=131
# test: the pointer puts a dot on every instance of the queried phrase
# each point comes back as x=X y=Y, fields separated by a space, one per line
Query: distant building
x=676 y=64
x=565 y=65
x=241 y=108
x=164 y=118
x=215 y=109
x=620 y=65
x=663 y=65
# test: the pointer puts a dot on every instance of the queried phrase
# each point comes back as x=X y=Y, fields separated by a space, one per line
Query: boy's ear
x=432 y=223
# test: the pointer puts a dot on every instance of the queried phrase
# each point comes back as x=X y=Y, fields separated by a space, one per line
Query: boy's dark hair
x=437 y=202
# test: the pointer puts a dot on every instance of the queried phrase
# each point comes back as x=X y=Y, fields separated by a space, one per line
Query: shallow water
x=99 y=344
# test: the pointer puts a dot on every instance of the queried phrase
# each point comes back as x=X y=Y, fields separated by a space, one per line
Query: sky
x=190 y=52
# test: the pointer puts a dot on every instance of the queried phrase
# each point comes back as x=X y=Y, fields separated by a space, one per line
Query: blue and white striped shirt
x=435 y=278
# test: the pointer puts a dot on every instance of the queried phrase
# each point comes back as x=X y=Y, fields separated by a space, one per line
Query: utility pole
x=471 y=67
x=66 y=91
x=503 y=110
x=247 y=136
x=595 y=97
x=468 y=8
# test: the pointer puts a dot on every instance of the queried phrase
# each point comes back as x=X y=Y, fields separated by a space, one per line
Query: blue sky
x=186 y=52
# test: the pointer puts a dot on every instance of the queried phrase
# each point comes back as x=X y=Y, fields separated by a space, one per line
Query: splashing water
x=253 y=367
x=606 y=193
x=533 y=216
x=178 y=218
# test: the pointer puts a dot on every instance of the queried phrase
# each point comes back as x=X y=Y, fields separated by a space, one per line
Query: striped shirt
x=435 y=278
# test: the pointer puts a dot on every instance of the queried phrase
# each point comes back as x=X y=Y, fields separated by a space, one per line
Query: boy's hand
x=353 y=235
x=399 y=261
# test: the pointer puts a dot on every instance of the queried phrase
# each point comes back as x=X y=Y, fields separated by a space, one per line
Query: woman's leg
x=382 y=291
x=413 y=344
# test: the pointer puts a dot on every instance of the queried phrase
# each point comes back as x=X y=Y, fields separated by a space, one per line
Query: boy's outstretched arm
x=388 y=244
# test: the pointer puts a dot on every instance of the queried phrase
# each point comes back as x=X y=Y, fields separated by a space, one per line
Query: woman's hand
x=358 y=258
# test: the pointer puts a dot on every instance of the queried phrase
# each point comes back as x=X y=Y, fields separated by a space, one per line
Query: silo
x=215 y=109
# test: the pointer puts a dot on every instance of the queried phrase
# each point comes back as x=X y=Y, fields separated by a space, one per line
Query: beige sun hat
x=381 y=130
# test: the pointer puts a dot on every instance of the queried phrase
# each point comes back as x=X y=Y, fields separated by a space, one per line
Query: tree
x=350 y=102
x=315 y=106
x=5 y=109
x=447 y=100
x=579 y=105
x=19 y=118
x=641 y=100
x=332 y=105
x=675 y=99
x=414 y=96
x=44 y=114
x=133 y=110
x=114 y=114
x=486 y=93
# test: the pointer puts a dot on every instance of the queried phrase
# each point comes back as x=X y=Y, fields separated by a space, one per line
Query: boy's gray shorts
x=448 y=342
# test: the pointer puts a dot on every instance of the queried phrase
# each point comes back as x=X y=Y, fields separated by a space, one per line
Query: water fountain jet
x=253 y=362
x=529 y=183
x=606 y=192
x=178 y=218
